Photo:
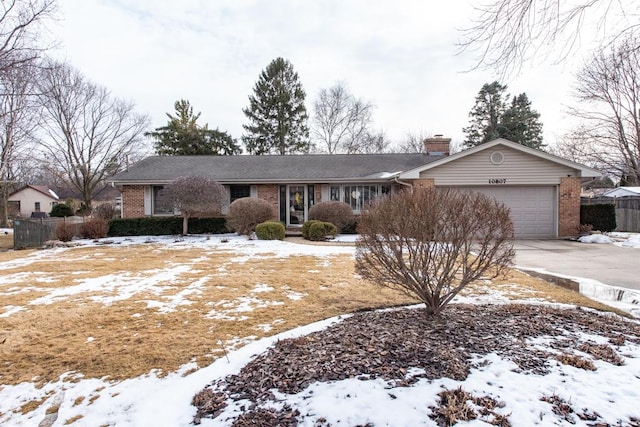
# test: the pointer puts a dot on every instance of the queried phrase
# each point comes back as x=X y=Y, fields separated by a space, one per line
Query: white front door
x=297 y=202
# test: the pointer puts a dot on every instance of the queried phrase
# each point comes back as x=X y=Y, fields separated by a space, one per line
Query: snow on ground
x=149 y=400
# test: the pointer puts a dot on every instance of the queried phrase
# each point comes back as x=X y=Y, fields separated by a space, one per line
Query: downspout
x=397 y=181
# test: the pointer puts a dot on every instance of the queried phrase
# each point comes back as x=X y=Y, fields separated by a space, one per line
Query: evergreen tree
x=522 y=124
x=486 y=115
x=183 y=136
x=492 y=117
x=277 y=114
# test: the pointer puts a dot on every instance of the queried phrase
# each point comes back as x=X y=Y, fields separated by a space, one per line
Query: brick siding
x=568 y=206
x=132 y=201
x=270 y=193
x=423 y=183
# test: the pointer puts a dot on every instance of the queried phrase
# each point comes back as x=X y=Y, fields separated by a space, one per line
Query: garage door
x=533 y=209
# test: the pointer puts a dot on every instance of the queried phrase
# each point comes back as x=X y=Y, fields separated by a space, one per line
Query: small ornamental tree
x=192 y=195
x=430 y=244
x=247 y=212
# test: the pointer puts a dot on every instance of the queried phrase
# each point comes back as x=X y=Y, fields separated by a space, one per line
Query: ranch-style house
x=542 y=190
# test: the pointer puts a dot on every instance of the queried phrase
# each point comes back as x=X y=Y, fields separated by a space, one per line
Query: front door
x=297 y=212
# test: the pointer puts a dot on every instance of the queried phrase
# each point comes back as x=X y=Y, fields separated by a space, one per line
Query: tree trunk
x=185 y=225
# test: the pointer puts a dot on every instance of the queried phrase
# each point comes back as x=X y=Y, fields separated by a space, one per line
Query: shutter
x=254 y=191
x=324 y=193
x=226 y=201
x=148 y=191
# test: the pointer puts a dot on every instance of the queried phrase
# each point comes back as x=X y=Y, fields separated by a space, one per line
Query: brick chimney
x=436 y=146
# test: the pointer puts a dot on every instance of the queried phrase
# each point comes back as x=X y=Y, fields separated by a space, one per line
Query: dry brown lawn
x=6 y=241
x=160 y=307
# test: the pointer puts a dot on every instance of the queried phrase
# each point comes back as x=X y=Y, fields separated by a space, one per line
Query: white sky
x=399 y=55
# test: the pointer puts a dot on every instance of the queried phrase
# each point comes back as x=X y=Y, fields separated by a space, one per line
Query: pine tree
x=183 y=136
x=486 y=115
x=277 y=114
x=522 y=123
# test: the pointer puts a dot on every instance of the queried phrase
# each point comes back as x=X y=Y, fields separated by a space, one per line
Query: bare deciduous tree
x=430 y=243
x=507 y=33
x=608 y=91
x=88 y=135
x=340 y=121
x=413 y=142
x=193 y=195
x=20 y=22
x=369 y=143
x=18 y=119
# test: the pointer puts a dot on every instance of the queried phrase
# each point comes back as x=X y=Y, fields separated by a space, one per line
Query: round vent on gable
x=496 y=158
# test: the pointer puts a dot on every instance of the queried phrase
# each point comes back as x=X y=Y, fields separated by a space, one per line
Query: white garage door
x=533 y=209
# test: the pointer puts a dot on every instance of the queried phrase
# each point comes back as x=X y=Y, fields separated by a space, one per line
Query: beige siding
x=28 y=198
x=517 y=168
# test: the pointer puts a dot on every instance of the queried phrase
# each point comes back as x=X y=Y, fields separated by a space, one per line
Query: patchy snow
x=149 y=400
x=166 y=401
x=595 y=238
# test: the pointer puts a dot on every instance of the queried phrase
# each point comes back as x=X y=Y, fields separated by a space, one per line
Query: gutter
x=397 y=181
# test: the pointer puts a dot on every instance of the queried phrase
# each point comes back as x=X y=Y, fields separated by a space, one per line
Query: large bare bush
x=337 y=213
x=430 y=244
x=247 y=212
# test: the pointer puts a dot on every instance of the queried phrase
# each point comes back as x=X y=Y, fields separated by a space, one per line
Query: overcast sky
x=400 y=55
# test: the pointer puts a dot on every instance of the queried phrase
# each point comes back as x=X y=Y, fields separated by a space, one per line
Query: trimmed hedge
x=306 y=226
x=601 y=217
x=319 y=230
x=160 y=226
x=270 y=230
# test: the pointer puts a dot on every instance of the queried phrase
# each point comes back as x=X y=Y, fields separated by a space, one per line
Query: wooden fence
x=33 y=233
x=627 y=211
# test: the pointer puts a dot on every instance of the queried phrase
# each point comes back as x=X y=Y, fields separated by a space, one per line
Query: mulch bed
x=386 y=344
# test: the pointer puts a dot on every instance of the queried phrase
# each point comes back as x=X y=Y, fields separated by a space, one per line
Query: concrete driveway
x=606 y=263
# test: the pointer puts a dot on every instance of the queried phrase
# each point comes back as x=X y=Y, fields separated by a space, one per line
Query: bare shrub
x=247 y=212
x=65 y=231
x=337 y=213
x=95 y=228
x=430 y=243
x=105 y=211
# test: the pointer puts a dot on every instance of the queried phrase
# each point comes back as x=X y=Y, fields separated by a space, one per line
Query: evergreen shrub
x=320 y=230
x=601 y=217
x=161 y=226
x=306 y=226
x=61 y=210
x=270 y=230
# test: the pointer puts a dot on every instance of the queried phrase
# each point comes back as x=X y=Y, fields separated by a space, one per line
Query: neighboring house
x=33 y=200
x=542 y=190
x=623 y=192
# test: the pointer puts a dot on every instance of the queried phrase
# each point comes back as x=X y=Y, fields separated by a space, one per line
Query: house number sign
x=497 y=180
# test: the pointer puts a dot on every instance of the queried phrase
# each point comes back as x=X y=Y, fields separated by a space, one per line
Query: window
x=160 y=206
x=238 y=192
x=37 y=207
x=357 y=196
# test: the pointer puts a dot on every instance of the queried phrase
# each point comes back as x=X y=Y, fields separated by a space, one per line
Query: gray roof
x=273 y=169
